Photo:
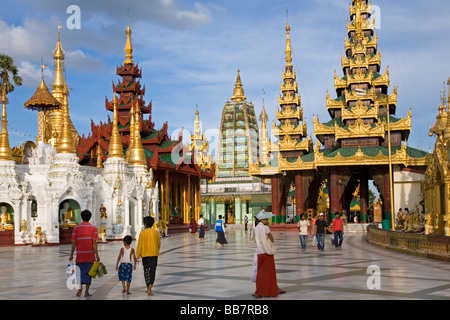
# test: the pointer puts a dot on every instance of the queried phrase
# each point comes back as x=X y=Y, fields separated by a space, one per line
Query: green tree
x=8 y=68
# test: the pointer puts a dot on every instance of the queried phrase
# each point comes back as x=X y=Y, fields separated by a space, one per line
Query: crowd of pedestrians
x=85 y=236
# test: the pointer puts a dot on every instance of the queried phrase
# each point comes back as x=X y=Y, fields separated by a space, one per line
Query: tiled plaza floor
x=190 y=269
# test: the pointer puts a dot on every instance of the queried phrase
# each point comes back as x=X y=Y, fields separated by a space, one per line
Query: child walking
x=126 y=256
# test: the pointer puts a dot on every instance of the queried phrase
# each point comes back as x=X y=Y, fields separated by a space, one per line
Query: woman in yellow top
x=148 y=246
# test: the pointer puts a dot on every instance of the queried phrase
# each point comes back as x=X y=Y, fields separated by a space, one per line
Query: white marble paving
x=190 y=269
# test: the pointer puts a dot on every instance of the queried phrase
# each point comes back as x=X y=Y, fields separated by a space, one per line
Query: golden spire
x=288 y=44
x=128 y=46
x=137 y=155
x=65 y=142
x=5 y=149
x=263 y=117
x=58 y=57
x=448 y=83
x=55 y=117
x=197 y=124
x=99 y=156
x=115 y=145
x=238 y=93
x=264 y=136
x=131 y=145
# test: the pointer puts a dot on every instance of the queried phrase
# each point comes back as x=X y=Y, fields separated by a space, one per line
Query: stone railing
x=435 y=247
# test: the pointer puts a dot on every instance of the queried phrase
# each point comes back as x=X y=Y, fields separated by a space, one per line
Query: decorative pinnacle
x=238 y=93
x=115 y=145
x=128 y=46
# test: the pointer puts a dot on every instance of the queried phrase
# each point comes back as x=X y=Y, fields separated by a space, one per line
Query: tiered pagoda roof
x=291 y=130
x=362 y=115
x=130 y=107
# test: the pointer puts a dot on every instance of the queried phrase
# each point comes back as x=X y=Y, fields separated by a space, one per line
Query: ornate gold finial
x=288 y=44
x=238 y=93
x=115 y=145
x=128 y=45
x=264 y=136
x=55 y=117
x=99 y=156
x=448 y=102
x=65 y=143
x=131 y=145
x=263 y=117
x=58 y=57
x=5 y=148
x=197 y=123
x=137 y=155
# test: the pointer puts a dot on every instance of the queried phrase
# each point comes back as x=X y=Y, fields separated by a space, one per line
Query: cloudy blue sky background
x=190 y=52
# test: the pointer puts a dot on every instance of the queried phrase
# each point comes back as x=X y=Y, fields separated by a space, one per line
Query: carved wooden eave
x=360 y=111
x=366 y=43
x=289 y=86
x=289 y=113
x=334 y=104
x=360 y=130
x=365 y=25
x=267 y=170
x=289 y=144
x=289 y=99
x=364 y=8
x=290 y=129
x=321 y=129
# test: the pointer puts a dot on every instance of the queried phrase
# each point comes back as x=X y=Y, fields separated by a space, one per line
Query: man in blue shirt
x=220 y=229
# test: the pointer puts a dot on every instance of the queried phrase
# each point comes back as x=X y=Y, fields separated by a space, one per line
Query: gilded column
x=5 y=149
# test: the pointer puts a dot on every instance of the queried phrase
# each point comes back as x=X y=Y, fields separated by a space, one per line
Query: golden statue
x=103 y=217
x=5 y=219
x=39 y=236
x=67 y=215
x=413 y=223
x=163 y=227
x=103 y=212
x=23 y=226
x=429 y=225
x=447 y=224
x=230 y=217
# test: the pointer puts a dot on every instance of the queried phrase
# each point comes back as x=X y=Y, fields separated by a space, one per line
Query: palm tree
x=7 y=67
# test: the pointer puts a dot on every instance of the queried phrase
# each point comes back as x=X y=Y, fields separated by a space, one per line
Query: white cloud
x=31 y=74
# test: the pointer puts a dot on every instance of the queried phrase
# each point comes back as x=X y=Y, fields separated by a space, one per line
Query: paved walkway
x=190 y=269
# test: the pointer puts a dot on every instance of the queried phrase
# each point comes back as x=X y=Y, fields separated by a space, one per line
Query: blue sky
x=190 y=52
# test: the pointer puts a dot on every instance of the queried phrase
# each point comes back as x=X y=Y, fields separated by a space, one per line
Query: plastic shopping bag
x=70 y=268
x=93 y=271
x=315 y=241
